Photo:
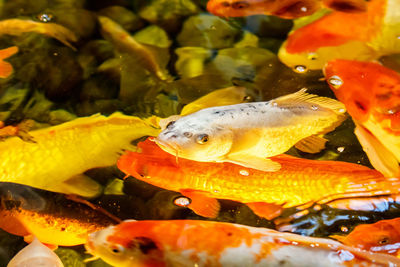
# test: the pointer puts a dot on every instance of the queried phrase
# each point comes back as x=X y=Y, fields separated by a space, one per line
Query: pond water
x=77 y=58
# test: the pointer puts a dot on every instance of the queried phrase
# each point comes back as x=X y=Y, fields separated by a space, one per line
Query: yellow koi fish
x=58 y=155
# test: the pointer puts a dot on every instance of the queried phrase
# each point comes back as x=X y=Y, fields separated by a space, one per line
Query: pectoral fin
x=311 y=144
x=201 y=203
x=340 y=238
x=258 y=163
x=81 y=185
x=268 y=211
x=380 y=157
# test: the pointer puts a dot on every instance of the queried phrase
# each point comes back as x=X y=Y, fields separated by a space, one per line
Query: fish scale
x=298 y=182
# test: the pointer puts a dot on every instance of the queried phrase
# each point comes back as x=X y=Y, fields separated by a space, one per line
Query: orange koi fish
x=360 y=36
x=50 y=217
x=288 y=9
x=207 y=243
x=5 y=68
x=370 y=93
x=299 y=182
x=381 y=237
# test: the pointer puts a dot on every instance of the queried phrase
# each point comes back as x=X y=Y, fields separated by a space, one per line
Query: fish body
x=207 y=243
x=18 y=27
x=288 y=9
x=298 y=182
x=355 y=36
x=370 y=93
x=35 y=254
x=58 y=155
x=382 y=237
x=248 y=133
x=50 y=217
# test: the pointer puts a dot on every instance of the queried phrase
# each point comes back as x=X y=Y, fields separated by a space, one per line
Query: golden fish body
x=62 y=152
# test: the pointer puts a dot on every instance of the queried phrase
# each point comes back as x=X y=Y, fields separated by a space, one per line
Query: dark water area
x=87 y=67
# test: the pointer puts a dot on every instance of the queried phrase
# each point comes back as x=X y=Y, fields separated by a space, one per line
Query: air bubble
x=45 y=17
x=244 y=173
x=182 y=201
x=335 y=81
x=300 y=69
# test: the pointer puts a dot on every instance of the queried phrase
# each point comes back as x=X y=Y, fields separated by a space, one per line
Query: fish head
x=239 y=8
x=150 y=163
x=124 y=247
x=367 y=89
x=191 y=138
x=376 y=237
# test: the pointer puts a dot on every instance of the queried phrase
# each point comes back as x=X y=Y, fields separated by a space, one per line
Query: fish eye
x=384 y=240
x=170 y=124
x=188 y=134
x=240 y=4
x=117 y=249
x=202 y=138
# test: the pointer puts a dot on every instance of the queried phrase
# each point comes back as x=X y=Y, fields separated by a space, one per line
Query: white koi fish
x=248 y=133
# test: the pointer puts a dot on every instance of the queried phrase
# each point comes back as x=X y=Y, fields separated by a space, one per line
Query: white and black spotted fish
x=248 y=133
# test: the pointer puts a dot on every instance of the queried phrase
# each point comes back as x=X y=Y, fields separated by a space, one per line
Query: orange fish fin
x=311 y=144
x=380 y=157
x=8 y=52
x=340 y=238
x=346 y=5
x=5 y=69
x=202 y=204
x=12 y=225
x=268 y=211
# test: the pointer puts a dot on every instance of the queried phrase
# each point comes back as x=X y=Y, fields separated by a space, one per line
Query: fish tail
x=347 y=5
x=366 y=186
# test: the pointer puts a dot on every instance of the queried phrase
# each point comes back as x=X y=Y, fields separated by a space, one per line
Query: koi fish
x=17 y=27
x=299 y=182
x=35 y=254
x=50 y=217
x=207 y=243
x=248 y=133
x=370 y=92
x=288 y=9
x=382 y=237
x=58 y=155
x=357 y=36
x=5 y=68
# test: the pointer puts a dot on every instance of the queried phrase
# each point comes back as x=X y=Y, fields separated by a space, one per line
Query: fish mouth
x=167 y=146
x=172 y=149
